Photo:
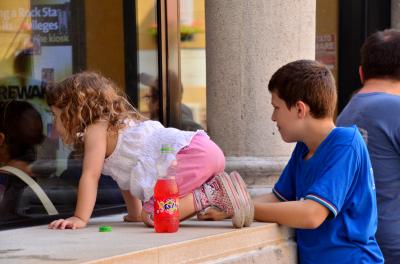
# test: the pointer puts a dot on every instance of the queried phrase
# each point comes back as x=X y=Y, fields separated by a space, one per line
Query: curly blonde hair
x=85 y=98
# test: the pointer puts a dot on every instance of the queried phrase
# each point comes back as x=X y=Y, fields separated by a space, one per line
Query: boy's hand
x=69 y=223
x=132 y=218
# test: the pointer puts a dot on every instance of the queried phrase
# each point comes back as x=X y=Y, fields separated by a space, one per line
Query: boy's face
x=286 y=119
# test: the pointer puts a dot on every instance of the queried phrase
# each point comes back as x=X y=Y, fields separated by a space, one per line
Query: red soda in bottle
x=166 y=196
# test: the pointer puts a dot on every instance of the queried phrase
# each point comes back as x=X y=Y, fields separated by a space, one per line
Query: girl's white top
x=133 y=162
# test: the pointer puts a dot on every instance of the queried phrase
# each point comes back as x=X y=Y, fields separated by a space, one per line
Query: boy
x=327 y=189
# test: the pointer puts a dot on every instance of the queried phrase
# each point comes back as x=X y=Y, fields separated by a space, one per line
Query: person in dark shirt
x=21 y=129
x=374 y=109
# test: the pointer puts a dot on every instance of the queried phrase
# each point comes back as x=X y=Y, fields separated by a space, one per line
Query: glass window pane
x=193 y=64
x=36 y=49
x=42 y=41
x=148 y=58
x=326 y=43
x=327 y=34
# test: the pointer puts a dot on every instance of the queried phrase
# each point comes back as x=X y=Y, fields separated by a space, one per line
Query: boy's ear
x=2 y=139
x=361 y=74
x=302 y=109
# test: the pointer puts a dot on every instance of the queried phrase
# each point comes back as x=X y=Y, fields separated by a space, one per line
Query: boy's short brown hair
x=308 y=81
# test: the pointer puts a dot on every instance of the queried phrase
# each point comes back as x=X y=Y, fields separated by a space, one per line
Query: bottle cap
x=105 y=228
x=166 y=148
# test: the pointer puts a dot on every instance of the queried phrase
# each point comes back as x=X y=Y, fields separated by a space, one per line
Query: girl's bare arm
x=134 y=206
x=94 y=154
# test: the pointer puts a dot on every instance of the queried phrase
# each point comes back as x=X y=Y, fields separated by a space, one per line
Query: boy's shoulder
x=346 y=137
x=339 y=138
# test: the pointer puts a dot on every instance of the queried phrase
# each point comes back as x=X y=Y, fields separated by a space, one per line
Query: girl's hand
x=134 y=206
x=69 y=223
x=132 y=218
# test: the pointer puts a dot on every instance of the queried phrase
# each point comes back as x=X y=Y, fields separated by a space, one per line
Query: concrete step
x=195 y=242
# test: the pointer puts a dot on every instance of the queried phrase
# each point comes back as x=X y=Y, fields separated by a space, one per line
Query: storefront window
x=42 y=41
x=326 y=43
x=147 y=59
x=327 y=35
x=193 y=64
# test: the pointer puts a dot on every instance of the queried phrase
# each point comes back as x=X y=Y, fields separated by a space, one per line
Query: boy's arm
x=267 y=198
x=94 y=154
x=134 y=206
x=306 y=214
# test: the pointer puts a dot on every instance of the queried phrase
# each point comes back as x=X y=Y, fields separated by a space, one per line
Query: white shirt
x=133 y=162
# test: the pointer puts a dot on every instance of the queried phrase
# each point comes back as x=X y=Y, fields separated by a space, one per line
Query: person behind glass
x=326 y=190
x=374 y=109
x=21 y=129
x=23 y=71
x=92 y=114
x=22 y=85
x=152 y=98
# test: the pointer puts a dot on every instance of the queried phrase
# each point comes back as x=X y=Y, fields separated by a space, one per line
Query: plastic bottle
x=166 y=197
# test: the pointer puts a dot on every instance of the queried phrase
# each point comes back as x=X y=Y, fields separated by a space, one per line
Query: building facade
x=191 y=64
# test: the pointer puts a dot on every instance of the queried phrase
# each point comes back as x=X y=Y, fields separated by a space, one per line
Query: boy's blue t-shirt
x=340 y=177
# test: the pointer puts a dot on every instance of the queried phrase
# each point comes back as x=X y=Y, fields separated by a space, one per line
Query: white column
x=246 y=42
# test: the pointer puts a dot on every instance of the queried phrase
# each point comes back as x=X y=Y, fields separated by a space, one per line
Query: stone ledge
x=282 y=253
x=235 y=245
x=196 y=242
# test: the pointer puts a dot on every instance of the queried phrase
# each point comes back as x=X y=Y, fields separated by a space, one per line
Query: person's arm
x=94 y=154
x=267 y=198
x=134 y=206
x=306 y=214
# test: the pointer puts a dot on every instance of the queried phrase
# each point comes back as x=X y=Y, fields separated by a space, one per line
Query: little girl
x=94 y=116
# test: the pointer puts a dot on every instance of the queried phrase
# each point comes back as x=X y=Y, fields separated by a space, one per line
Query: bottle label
x=168 y=205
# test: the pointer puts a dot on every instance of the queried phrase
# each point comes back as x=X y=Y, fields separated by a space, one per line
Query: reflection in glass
x=42 y=41
x=151 y=98
x=147 y=57
x=35 y=49
x=21 y=129
x=193 y=60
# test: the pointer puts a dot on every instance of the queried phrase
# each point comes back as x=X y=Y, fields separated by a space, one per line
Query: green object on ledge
x=105 y=228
